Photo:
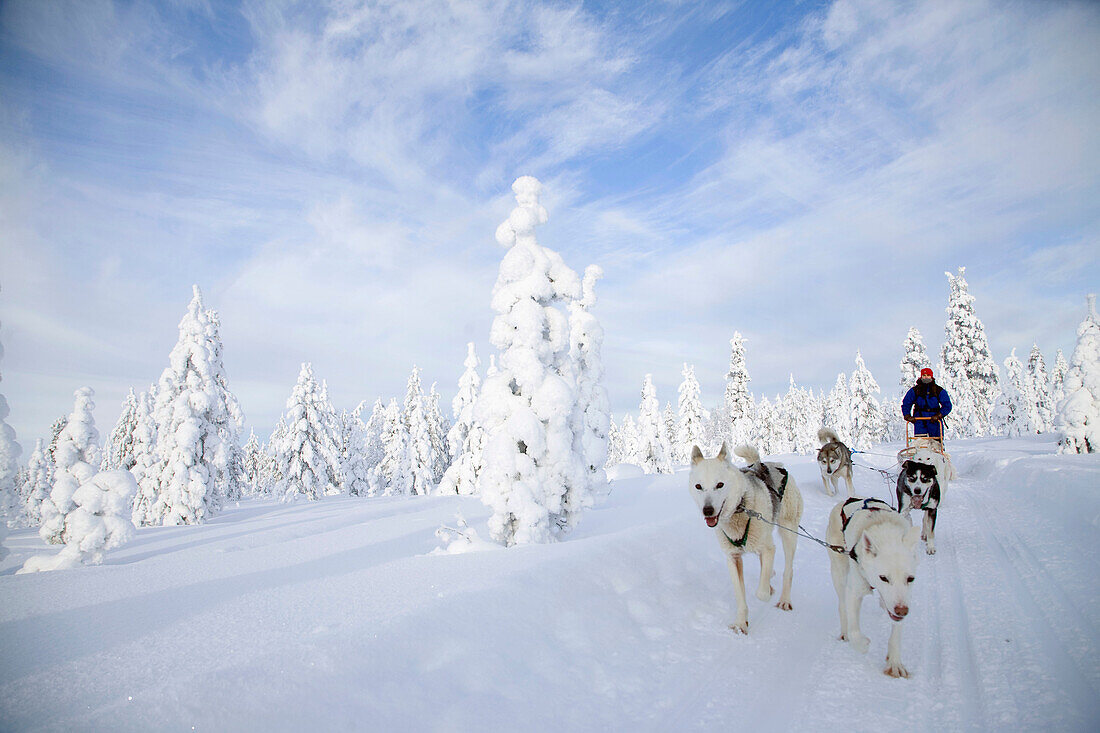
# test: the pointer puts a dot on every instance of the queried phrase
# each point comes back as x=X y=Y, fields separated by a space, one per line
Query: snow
x=335 y=615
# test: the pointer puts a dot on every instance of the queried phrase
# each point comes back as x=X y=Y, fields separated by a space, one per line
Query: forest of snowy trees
x=532 y=436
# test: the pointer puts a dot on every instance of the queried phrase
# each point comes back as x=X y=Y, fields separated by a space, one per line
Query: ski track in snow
x=333 y=615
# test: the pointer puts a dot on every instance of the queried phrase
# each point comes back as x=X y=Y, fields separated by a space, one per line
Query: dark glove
x=937 y=416
x=908 y=418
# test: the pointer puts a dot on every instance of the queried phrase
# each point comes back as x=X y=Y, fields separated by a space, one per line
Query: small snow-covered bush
x=99 y=521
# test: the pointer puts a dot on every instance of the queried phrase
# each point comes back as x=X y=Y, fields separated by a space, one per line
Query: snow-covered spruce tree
x=614 y=444
x=739 y=408
x=838 y=408
x=915 y=359
x=799 y=419
x=230 y=416
x=1040 y=408
x=146 y=459
x=462 y=404
x=466 y=438
x=254 y=460
x=353 y=459
x=10 y=451
x=119 y=450
x=670 y=424
x=306 y=458
x=966 y=364
x=439 y=426
x=76 y=456
x=393 y=474
x=653 y=451
x=1058 y=381
x=629 y=441
x=373 y=449
x=592 y=410
x=98 y=520
x=422 y=457
x=39 y=482
x=691 y=426
x=1010 y=410
x=192 y=476
x=867 y=423
x=532 y=478
x=767 y=436
x=1078 y=418
x=333 y=431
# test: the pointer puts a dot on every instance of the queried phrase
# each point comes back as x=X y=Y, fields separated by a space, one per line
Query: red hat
x=926 y=372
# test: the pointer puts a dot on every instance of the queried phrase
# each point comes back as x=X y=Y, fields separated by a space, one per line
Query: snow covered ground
x=333 y=615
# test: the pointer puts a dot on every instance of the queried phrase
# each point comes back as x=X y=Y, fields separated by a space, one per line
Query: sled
x=927 y=449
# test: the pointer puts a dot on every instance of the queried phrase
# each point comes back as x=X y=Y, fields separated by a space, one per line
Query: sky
x=331 y=174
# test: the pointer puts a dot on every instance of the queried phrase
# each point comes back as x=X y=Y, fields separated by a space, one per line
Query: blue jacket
x=921 y=401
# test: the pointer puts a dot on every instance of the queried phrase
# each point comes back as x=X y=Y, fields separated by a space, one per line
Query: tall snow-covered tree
x=767 y=436
x=306 y=458
x=1078 y=418
x=838 y=408
x=798 y=418
x=119 y=450
x=915 y=359
x=439 y=426
x=653 y=450
x=614 y=444
x=422 y=456
x=76 y=456
x=592 y=411
x=10 y=450
x=1058 y=381
x=966 y=364
x=691 y=425
x=1010 y=410
x=146 y=459
x=38 y=484
x=738 y=402
x=192 y=475
x=254 y=460
x=373 y=448
x=393 y=474
x=867 y=422
x=532 y=478
x=462 y=405
x=1040 y=408
x=465 y=440
x=630 y=440
x=229 y=417
x=353 y=460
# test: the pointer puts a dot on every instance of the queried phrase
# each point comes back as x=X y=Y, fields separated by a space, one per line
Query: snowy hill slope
x=333 y=615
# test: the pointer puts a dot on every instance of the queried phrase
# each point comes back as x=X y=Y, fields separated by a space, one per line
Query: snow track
x=333 y=615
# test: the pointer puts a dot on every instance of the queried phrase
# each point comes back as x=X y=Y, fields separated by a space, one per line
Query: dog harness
x=871 y=505
x=778 y=492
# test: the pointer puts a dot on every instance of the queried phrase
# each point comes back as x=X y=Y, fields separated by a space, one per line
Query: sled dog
x=919 y=488
x=880 y=558
x=723 y=493
x=835 y=461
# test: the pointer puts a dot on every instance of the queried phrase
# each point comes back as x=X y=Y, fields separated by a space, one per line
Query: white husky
x=881 y=558
x=724 y=493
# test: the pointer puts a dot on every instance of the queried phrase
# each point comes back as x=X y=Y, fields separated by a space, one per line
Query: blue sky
x=331 y=174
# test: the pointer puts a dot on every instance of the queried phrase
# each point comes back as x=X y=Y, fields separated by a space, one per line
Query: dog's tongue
x=916 y=502
x=711 y=521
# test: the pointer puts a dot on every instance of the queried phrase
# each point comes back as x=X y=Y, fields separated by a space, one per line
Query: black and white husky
x=835 y=461
x=724 y=493
x=919 y=488
x=879 y=557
